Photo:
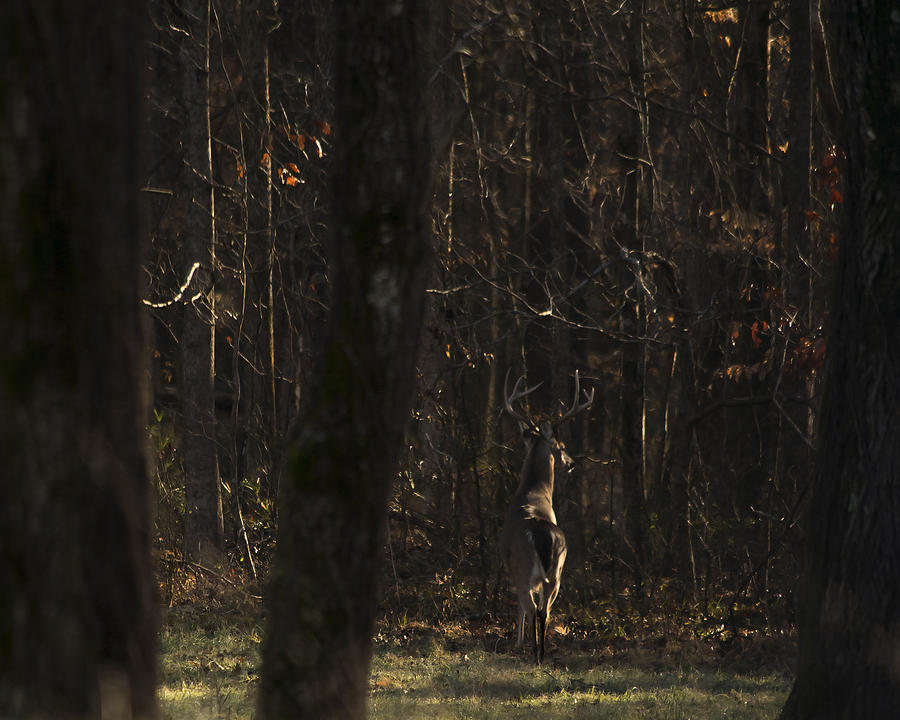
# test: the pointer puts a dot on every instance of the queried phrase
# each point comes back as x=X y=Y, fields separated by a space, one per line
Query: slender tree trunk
x=748 y=108
x=270 y=255
x=798 y=154
x=203 y=521
x=631 y=240
x=850 y=617
x=753 y=208
x=77 y=631
x=334 y=500
x=677 y=473
x=794 y=461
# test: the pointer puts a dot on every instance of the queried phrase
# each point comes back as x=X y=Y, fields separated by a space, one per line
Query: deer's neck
x=537 y=472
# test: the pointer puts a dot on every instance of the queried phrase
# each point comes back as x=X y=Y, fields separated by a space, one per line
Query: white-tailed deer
x=532 y=545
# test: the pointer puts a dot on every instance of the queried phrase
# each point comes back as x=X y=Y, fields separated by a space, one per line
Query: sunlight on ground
x=486 y=685
x=209 y=670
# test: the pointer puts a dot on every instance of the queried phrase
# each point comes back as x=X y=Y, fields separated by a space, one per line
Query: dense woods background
x=647 y=191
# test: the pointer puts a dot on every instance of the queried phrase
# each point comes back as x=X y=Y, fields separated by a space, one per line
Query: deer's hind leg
x=527 y=615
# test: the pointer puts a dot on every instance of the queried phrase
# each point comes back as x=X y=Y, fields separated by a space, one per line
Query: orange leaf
x=756 y=332
x=324 y=127
x=298 y=140
x=286 y=177
x=265 y=160
x=812 y=215
x=293 y=168
x=836 y=196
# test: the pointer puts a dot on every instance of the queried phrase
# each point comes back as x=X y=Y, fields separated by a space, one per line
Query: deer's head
x=542 y=430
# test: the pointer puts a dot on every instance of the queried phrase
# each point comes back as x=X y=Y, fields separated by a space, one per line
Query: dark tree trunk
x=748 y=108
x=631 y=241
x=850 y=617
x=796 y=192
x=203 y=521
x=676 y=473
x=552 y=135
x=794 y=457
x=333 y=514
x=77 y=634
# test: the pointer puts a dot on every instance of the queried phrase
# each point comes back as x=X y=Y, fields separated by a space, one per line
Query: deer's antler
x=576 y=408
x=517 y=394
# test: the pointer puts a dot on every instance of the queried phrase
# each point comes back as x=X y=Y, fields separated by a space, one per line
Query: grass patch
x=208 y=666
x=209 y=669
x=483 y=685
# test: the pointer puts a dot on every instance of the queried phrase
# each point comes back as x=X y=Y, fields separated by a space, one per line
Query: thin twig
x=214 y=573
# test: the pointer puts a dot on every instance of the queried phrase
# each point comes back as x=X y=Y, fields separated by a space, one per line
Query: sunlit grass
x=209 y=669
x=480 y=684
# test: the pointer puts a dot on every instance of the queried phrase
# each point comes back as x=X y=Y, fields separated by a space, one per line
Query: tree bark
x=77 y=630
x=748 y=109
x=333 y=514
x=544 y=347
x=630 y=239
x=203 y=520
x=796 y=192
x=850 y=618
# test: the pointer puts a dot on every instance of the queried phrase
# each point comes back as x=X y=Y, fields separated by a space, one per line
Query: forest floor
x=209 y=668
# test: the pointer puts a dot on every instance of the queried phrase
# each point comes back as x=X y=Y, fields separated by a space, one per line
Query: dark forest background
x=645 y=192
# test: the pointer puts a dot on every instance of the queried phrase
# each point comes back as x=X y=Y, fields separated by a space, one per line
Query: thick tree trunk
x=850 y=617
x=334 y=500
x=77 y=636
